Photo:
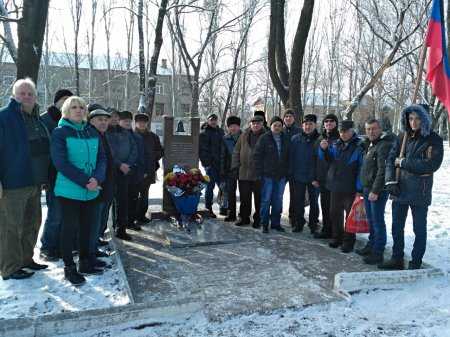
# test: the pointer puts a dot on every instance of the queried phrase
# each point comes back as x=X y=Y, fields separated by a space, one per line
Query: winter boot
x=71 y=275
x=335 y=243
x=210 y=213
x=297 y=228
x=392 y=264
x=278 y=228
x=265 y=228
x=121 y=233
x=230 y=217
x=414 y=265
x=223 y=211
x=365 y=251
x=373 y=258
x=87 y=268
x=256 y=223
x=322 y=235
x=242 y=222
x=347 y=247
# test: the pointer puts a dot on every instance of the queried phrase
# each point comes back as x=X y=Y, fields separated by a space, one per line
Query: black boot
x=347 y=247
x=231 y=217
x=121 y=233
x=265 y=228
x=87 y=268
x=134 y=226
x=242 y=222
x=335 y=243
x=414 y=265
x=322 y=235
x=256 y=223
x=19 y=275
x=210 y=213
x=392 y=264
x=278 y=228
x=71 y=275
x=297 y=228
x=373 y=258
x=365 y=251
x=223 y=211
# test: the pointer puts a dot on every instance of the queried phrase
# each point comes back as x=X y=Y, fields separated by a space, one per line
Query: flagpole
x=422 y=57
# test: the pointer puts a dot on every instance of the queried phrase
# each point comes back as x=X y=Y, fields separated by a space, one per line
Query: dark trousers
x=77 y=215
x=214 y=179
x=341 y=202
x=133 y=196
x=247 y=188
x=231 y=186
x=300 y=192
x=104 y=215
x=142 y=202
x=121 y=200
x=292 y=201
x=325 y=204
x=52 y=225
x=399 y=214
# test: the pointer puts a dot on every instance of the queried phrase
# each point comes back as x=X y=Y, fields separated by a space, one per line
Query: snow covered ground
x=421 y=309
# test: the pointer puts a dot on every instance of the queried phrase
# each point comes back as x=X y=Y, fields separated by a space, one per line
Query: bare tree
x=106 y=9
x=76 y=7
x=91 y=44
x=8 y=39
x=129 y=29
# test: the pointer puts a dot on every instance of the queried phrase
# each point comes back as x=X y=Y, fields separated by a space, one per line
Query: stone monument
x=180 y=148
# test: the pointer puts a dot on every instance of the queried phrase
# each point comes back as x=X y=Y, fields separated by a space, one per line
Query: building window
x=159 y=109
x=185 y=108
x=159 y=89
x=8 y=80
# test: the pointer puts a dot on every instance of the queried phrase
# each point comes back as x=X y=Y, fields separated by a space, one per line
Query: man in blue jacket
x=24 y=163
x=302 y=165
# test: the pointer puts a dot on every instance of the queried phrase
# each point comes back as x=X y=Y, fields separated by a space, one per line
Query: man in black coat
x=290 y=129
x=330 y=133
x=210 y=144
x=345 y=157
x=227 y=174
x=271 y=163
x=412 y=189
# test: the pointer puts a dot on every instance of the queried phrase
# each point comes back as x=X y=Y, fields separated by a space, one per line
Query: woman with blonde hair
x=79 y=158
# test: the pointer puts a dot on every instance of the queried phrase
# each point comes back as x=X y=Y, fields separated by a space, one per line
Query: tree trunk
x=30 y=32
x=91 y=49
x=9 y=41
x=141 y=47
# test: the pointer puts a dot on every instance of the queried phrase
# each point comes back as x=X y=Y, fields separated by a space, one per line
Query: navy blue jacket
x=423 y=156
x=123 y=146
x=142 y=163
x=303 y=157
x=229 y=142
x=15 y=155
x=345 y=165
x=210 y=143
x=268 y=163
x=291 y=131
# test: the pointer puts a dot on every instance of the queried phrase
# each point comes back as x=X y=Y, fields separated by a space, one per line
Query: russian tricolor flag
x=438 y=74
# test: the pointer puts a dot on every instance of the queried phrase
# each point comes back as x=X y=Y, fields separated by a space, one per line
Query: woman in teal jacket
x=79 y=158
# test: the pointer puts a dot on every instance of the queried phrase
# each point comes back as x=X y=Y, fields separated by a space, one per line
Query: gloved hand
x=393 y=189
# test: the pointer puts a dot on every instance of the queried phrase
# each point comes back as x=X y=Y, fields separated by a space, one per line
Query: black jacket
x=268 y=163
x=345 y=164
x=303 y=157
x=226 y=155
x=291 y=131
x=107 y=192
x=322 y=165
x=423 y=156
x=154 y=152
x=210 y=144
x=374 y=163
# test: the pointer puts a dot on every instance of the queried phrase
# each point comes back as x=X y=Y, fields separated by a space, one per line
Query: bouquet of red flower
x=180 y=182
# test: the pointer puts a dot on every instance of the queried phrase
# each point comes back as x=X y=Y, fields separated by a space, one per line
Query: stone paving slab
x=253 y=272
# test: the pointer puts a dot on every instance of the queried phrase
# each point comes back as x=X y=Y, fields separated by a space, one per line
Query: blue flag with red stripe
x=438 y=72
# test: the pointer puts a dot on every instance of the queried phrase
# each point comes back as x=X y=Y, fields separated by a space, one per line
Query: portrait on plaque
x=181 y=126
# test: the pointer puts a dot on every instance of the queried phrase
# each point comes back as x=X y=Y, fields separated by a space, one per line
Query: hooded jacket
x=423 y=156
x=78 y=155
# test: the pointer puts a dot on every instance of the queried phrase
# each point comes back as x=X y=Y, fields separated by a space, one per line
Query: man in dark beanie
x=227 y=174
x=52 y=225
x=125 y=155
x=263 y=115
x=343 y=181
x=290 y=129
x=302 y=170
x=271 y=163
x=330 y=133
x=210 y=144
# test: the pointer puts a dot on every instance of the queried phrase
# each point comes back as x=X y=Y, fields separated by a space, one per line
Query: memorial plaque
x=180 y=148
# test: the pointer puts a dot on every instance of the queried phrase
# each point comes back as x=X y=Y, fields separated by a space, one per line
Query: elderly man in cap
x=154 y=152
x=302 y=170
x=227 y=174
x=210 y=144
x=412 y=189
x=52 y=225
x=24 y=163
x=346 y=158
x=271 y=158
x=243 y=161
x=125 y=155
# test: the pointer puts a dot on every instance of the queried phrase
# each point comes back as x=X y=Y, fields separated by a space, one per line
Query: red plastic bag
x=357 y=219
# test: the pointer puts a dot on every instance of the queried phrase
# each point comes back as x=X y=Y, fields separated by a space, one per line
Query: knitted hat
x=233 y=120
x=260 y=113
x=331 y=116
x=94 y=106
x=289 y=112
x=141 y=117
x=61 y=93
x=98 y=112
x=310 y=118
x=125 y=114
x=276 y=119
x=257 y=119
x=345 y=125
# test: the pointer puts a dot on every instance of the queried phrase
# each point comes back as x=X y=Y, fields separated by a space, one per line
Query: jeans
x=96 y=228
x=214 y=179
x=52 y=225
x=300 y=191
x=375 y=216
x=272 y=196
x=399 y=214
x=79 y=215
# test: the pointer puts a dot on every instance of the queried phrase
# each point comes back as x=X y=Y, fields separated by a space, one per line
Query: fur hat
x=233 y=120
x=276 y=119
x=61 y=93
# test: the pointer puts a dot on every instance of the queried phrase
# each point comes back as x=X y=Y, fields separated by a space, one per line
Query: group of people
x=88 y=159
x=333 y=164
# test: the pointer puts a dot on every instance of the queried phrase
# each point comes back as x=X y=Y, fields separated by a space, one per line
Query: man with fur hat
x=227 y=174
x=330 y=133
x=422 y=157
x=290 y=129
x=271 y=163
x=210 y=144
